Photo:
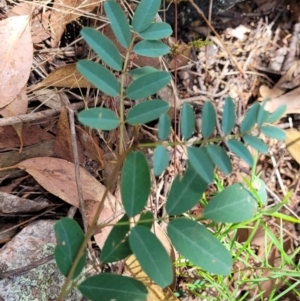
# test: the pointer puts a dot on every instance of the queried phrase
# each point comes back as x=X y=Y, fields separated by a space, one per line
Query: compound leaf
x=116 y=246
x=99 y=118
x=151 y=48
x=103 y=46
x=187 y=121
x=273 y=132
x=144 y=14
x=234 y=204
x=100 y=77
x=256 y=143
x=113 y=287
x=164 y=127
x=198 y=245
x=118 y=22
x=161 y=160
x=229 y=117
x=185 y=192
x=151 y=255
x=69 y=237
x=147 y=84
x=156 y=31
x=220 y=158
x=147 y=111
x=240 y=150
x=208 y=119
x=201 y=162
x=135 y=183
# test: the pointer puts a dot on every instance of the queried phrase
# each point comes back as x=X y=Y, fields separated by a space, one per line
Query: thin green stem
x=122 y=95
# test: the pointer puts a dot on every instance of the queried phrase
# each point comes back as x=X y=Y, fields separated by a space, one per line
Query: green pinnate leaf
x=104 y=47
x=187 y=121
x=256 y=143
x=113 y=287
x=198 y=245
x=69 y=237
x=144 y=14
x=229 y=117
x=116 y=246
x=148 y=84
x=161 y=160
x=273 y=132
x=100 y=77
x=164 y=127
x=250 y=118
x=220 y=158
x=208 y=119
x=202 y=163
x=99 y=118
x=185 y=192
x=156 y=31
x=277 y=114
x=151 y=255
x=147 y=111
x=135 y=183
x=240 y=150
x=234 y=204
x=118 y=22
x=151 y=48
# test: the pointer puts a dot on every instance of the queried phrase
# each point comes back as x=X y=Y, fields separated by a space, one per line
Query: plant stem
x=122 y=96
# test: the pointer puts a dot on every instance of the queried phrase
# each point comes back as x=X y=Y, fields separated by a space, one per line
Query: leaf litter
x=57 y=176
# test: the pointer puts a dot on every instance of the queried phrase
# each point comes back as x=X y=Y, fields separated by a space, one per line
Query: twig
x=37 y=116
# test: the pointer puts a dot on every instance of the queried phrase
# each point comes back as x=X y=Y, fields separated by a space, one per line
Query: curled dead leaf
x=293 y=143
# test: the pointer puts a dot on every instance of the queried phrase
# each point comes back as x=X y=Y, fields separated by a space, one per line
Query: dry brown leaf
x=62 y=14
x=90 y=147
x=17 y=107
x=31 y=135
x=289 y=80
x=293 y=143
x=58 y=177
x=133 y=268
x=39 y=22
x=15 y=57
x=51 y=98
x=291 y=99
x=65 y=77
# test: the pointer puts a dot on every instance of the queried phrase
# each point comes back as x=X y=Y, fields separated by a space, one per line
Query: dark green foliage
x=69 y=237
